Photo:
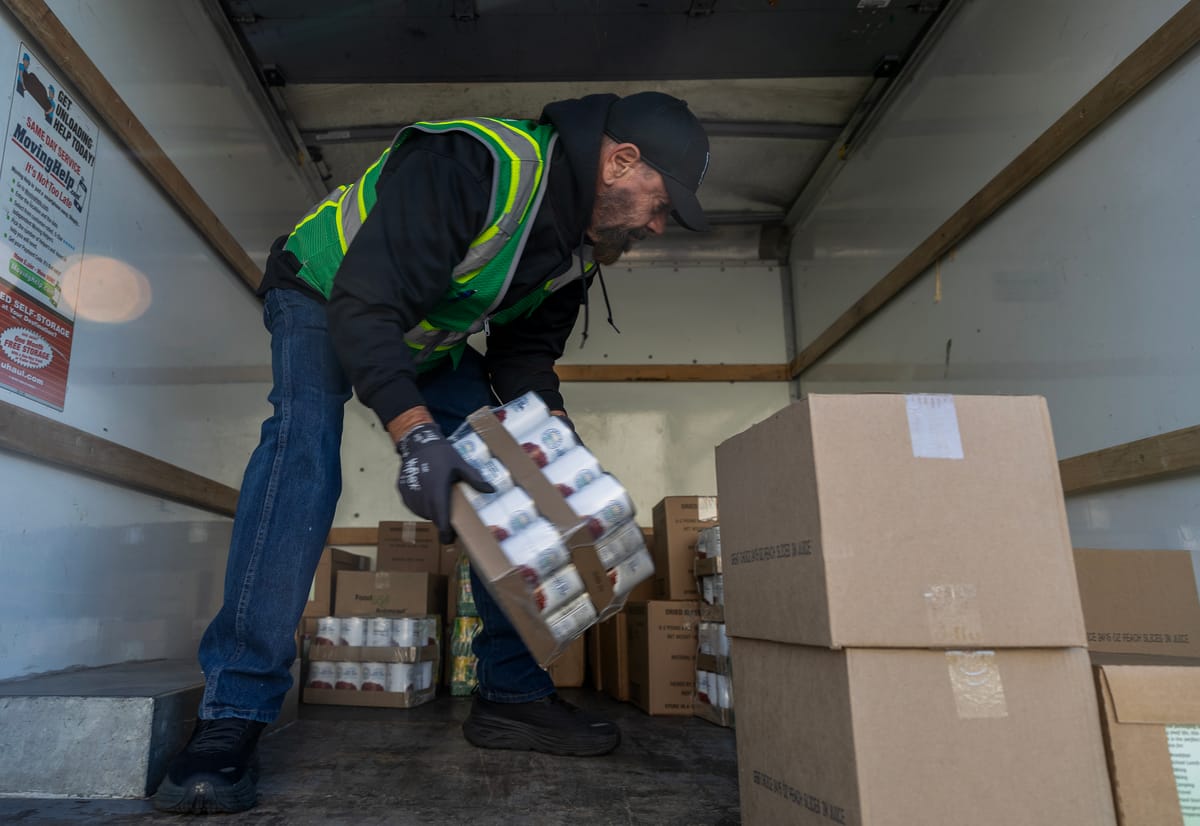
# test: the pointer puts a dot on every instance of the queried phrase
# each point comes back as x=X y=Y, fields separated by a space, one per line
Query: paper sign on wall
x=46 y=171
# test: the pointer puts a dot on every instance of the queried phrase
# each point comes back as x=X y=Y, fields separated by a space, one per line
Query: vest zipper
x=487 y=327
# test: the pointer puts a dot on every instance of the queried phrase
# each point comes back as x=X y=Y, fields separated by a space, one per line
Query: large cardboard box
x=1140 y=602
x=898 y=521
x=568 y=670
x=678 y=521
x=408 y=546
x=662 y=642
x=613 y=638
x=883 y=737
x=1151 y=723
x=389 y=594
x=333 y=561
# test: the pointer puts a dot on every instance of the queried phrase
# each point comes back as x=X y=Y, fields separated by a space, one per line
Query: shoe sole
x=498 y=733
x=203 y=797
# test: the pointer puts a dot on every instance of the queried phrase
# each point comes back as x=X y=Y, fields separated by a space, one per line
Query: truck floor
x=412 y=766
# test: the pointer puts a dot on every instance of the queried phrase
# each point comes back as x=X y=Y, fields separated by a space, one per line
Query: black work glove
x=429 y=467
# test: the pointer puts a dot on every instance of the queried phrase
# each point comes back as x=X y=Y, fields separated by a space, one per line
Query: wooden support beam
x=61 y=49
x=353 y=536
x=45 y=440
x=1143 y=460
x=1172 y=41
x=672 y=372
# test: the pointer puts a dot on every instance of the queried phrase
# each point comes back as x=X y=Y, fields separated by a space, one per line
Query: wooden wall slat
x=45 y=440
x=1173 y=40
x=1143 y=460
x=672 y=372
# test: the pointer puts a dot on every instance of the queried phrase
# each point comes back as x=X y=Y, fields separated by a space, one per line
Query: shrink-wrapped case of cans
x=556 y=544
x=386 y=662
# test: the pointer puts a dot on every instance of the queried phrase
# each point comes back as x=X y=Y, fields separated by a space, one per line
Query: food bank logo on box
x=783 y=550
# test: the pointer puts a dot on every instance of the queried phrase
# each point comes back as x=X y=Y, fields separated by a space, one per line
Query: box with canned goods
x=556 y=543
x=384 y=662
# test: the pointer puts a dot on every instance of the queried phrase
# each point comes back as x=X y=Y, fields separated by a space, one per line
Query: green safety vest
x=520 y=149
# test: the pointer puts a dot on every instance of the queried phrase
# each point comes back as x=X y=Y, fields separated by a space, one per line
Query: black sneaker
x=215 y=772
x=550 y=725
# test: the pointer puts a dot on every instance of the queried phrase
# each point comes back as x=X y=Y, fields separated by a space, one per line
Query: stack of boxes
x=1142 y=613
x=406 y=584
x=662 y=634
x=461 y=664
x=907 y=640
x=714 y=669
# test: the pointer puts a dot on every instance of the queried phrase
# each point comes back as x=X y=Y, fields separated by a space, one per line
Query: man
x=461 y=226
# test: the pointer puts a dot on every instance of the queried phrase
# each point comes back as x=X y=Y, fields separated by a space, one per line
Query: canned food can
x=431 y=630
x=329 y=631
x=630 y=573
x=349 y=676
x=496 y=475
x=724 y=692
x=538 y=551
x=572 y=619
x=353 y=630
x=706 y=587
x=402 y=677
x=556 y=590
x=575 y=469
x=322 y=674
x=704 y=686
x=720 y=639
x=405 y=632
x=374 y=676
x=509 y=514
x=604 y=504
x=620 y=544
x=523 y=413
x=379 y=631
x=548 y=440
x=424 y=676
x=471 y=447
x=719 y=589
x=704 y=634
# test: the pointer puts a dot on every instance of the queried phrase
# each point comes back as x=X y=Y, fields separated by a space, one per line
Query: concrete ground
x=412 y=766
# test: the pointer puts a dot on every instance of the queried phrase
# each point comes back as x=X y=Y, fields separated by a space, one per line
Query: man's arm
x=522 y=353
x=431 y=204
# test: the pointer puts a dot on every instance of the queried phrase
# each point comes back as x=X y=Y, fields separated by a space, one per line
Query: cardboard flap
x=1157 y=694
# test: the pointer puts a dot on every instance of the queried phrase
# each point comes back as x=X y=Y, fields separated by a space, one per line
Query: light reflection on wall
x=104 y=289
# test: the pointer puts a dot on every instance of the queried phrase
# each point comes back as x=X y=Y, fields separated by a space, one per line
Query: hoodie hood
x=580 y=126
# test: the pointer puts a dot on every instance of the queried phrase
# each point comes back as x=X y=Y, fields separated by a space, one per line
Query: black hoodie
x=433 y=196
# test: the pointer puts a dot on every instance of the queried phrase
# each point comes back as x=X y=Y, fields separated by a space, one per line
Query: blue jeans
x=284 y=513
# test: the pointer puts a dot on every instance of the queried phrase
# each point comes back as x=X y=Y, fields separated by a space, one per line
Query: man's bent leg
x=285 y=509
x=516 y=706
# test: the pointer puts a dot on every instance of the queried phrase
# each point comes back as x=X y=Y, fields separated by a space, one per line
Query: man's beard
x=611 y=238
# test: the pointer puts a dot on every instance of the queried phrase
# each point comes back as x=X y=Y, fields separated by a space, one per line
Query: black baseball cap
x=672 y=141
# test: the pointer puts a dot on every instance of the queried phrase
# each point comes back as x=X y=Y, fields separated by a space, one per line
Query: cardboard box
x=568 y=670
x=678 y=521
x=448 y=559
x=662 y=655
x=408 y=546
x=389 y=594
x=333 y=561
x=1151 y=723
x=888 y=737
x=613 y=636
x=850 y=521
x=506 y=582
x=1140 y=602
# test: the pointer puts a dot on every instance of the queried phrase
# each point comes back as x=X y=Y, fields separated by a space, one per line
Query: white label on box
x=1184 y=744
x=707 y=507
x=933 y=426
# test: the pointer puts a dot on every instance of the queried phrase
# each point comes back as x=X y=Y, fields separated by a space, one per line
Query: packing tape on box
x=933 y=426
x=953 y=614
x=975 y=680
